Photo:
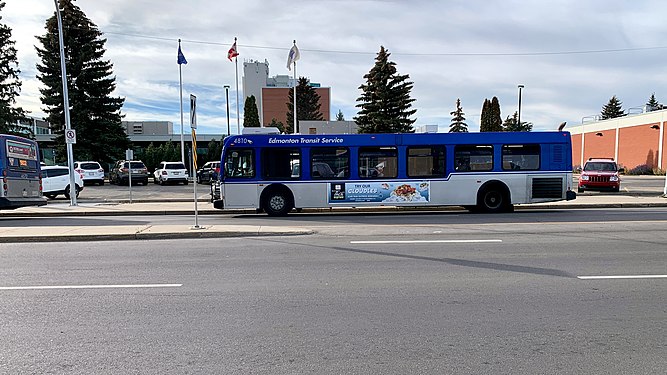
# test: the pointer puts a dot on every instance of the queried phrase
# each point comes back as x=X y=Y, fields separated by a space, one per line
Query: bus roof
x=329 y=140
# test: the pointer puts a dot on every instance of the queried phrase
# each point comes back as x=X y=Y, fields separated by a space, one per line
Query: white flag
x=293 y=56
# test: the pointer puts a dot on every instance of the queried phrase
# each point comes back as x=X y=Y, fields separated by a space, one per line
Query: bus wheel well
x=494 y=196
x=277 y=200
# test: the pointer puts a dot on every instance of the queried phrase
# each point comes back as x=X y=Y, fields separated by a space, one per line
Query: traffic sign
x=193 y=111
x=70 y=136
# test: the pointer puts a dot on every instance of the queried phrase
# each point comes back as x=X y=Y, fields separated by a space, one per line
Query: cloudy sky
x=571 y=55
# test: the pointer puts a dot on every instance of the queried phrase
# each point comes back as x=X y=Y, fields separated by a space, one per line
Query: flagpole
x=180 y=84
x=295 y=83
x=238 y=116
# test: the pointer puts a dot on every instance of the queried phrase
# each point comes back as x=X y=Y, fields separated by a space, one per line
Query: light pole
x=227 y=98
x=518 y=119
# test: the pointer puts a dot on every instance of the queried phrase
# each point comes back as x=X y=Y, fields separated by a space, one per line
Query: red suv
x=600 y=174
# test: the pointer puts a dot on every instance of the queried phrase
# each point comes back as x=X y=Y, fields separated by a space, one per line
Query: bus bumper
x=570 y=195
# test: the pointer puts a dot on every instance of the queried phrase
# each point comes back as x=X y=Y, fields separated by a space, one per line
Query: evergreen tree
x=307 y=104
x=458 y=120
x=278 y=124
x=214 y=151
x=652 y=104
x=496 y=120
x=385 y=102
x=250 y=113
x=10 y=84
x=95 y=114
x=612 y=109
x=340 y=116
x=485 y=117
x=510 y=124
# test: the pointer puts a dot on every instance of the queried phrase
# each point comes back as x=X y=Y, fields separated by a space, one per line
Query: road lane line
x=424 y=241
x=622 y=277
x=42 y=287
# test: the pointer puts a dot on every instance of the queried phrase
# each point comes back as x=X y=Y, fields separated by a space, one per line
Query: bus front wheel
x=277 y=203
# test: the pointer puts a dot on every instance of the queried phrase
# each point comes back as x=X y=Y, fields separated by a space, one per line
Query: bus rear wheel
x=494 y=199
x=277 y=203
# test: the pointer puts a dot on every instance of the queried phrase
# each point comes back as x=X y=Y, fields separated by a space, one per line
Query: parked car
x=600 y=174
x=209 y=172
x=55 y=181
x=170 y=171
x=119 y=174
x=91 y=171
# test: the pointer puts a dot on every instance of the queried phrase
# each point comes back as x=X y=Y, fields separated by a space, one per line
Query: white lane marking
x=622 y=277
x=39 y=287
x=426 y=241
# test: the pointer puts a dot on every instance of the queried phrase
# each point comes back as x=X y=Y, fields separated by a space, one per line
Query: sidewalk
x=144 y=232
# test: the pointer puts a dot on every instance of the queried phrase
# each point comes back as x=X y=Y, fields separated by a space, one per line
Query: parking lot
x=150 y=192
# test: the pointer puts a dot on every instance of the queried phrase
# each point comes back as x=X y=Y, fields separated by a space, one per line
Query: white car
x=91 y=171
x=55 y=181
x=170 y=171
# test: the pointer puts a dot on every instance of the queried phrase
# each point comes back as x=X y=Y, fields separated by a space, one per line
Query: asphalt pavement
x=179 y=200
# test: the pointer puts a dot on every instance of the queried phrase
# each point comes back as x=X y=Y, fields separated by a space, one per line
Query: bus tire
x=277 y=201
x=494 y=197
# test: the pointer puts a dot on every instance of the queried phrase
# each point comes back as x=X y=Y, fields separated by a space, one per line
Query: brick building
x=631 y=140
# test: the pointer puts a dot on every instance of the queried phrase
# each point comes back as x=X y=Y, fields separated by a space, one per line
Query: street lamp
x=518 y=119
x=229 y=132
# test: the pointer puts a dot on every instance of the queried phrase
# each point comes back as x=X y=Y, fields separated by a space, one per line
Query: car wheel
x=77 y=189
x=616 y=189
x=162 y=182
x=185 y=182
x=101 y=182
x=580 y=190
x=50 y=196
x=277 y=203
x=199 y=179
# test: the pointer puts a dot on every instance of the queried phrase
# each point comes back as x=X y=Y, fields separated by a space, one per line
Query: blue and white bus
x=20 y=171
x=488 y=172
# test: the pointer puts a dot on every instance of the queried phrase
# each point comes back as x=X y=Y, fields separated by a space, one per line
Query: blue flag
x=181 y=57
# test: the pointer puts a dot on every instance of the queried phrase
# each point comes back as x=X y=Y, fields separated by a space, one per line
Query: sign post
x=193 y=125
x=129 y=156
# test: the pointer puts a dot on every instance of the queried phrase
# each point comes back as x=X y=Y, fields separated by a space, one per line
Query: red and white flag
x=232 y=52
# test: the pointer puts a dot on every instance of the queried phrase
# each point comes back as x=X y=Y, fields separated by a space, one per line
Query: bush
x=641 y=170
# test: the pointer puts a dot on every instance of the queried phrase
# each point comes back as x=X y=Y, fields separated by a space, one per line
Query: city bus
x=20 y=171
x=485 y=172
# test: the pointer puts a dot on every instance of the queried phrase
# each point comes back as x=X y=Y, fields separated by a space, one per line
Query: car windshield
x=600 y=166
x=136 y=165
x=174 y=166
x=90 y=166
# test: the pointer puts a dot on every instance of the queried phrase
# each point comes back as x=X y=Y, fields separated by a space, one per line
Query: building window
x=137 y=128
x=312 y=130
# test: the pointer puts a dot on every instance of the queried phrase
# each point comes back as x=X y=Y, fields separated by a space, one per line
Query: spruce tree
x=496 y=120
x=250 y=113
x=94 y=113
x=307 y=104
x=340 y=116
x=278 y=124
x=10 y=84
x=485 y=117
x=385 y=102
x=511 y=125
x=612 y=109
x=458 y=120
x=652 y=104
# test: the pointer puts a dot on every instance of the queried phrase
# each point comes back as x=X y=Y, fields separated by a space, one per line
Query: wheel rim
x=277 y=203
x=493 y=199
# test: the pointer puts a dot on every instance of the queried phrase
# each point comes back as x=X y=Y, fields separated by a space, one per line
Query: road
x=495 y=294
